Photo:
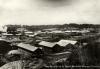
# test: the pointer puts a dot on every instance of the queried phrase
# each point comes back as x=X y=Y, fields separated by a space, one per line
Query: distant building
x=3 y=28
x=57 y=31
x=77 y=31
x=7 y=36
x=21 y=29
x=49 y=30
x=29 y=33
x=11 y=36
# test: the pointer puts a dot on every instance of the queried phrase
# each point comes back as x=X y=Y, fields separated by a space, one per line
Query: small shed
x=68 y=45
x=47 y=46
x=26 y=49
x=64 y=43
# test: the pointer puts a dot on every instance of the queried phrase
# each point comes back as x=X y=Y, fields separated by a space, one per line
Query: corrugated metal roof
x=27 y=47
x=47 y=44
x=66 y=42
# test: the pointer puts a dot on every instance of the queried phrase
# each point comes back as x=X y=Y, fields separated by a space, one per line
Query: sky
x=44 y=12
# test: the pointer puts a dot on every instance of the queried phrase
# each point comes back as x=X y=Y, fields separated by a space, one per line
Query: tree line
x=13 y=28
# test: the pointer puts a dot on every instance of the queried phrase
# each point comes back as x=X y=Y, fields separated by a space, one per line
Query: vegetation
x=40 y=27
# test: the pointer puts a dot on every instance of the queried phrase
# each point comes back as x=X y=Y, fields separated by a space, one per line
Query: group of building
x=37 y=44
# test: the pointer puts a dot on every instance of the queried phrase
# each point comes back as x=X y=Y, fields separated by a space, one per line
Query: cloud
x=49 y=11
x=57 y=3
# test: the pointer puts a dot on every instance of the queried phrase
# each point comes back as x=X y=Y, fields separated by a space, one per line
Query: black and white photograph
x=49 y=34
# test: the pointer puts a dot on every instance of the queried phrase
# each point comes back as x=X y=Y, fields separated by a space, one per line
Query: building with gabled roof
x=47 y=47
x=66 y=42
x=54 y=47
x=28 y=50
x=47 y=44
x=27 y=47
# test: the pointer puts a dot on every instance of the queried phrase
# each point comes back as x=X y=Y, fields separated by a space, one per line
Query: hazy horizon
x=49 y=12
